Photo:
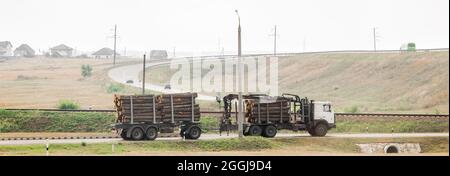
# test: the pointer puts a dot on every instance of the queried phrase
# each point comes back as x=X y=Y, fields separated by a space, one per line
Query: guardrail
x=320 y=52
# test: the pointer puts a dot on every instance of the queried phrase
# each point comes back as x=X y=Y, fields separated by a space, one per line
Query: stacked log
x=141 y=106
x=274 y=111
x=161 y=108
x=183 y=106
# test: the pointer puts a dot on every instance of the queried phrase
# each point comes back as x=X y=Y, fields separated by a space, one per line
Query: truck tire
x=123 y=135
x=194 y=132
x=270 y=131
x=137 y=134
x=152 y=133
x=182 y=133
x=320 y=129
x=255 y=131
x=311 y=132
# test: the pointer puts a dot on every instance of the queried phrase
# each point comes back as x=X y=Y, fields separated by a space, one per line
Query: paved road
x=223 y=136
x=131 y=72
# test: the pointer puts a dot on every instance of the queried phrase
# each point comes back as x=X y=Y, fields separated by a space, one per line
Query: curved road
x=224 y=136
x=131 y=72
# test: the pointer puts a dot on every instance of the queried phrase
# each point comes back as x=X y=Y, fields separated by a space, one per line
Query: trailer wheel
x=194 y=132
x=270 y=131
x=152 y=133
x=320 y=129
x=137 y=134
x=255 y=131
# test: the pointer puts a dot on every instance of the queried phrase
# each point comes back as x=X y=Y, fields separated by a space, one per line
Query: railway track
x=339 y=114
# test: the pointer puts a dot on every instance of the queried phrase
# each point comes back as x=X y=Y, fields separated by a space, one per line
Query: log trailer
x=142 y=117
x=264 y=115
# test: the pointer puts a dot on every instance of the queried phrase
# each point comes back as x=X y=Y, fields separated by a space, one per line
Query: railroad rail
x=219 y=112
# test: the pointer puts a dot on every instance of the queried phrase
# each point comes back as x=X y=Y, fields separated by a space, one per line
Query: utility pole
x=173 y=52
x=275 y=41
x=115 y=38
x=143 y=77
x=304 y=44
x=376 y=36
x=374 y=39
x=240 y=119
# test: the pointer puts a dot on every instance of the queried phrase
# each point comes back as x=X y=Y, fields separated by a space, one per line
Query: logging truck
x=142 y=117
x=264 y=115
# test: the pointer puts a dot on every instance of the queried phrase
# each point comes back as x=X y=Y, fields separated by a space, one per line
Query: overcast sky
x=208 y=25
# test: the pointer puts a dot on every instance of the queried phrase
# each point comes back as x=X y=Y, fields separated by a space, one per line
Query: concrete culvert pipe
x=391 y=149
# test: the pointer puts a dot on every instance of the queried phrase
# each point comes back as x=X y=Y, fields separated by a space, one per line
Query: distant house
x=61 y=51
x=24 y=51
x=158 y=54
x=104 y=53
x=6 y=48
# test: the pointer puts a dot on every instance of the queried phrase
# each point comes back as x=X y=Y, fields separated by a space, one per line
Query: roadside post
x=46 y=148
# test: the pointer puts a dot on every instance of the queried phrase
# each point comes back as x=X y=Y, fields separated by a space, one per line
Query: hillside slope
x=396 y=82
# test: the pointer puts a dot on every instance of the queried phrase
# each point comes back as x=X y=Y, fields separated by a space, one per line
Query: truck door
x=323 y=111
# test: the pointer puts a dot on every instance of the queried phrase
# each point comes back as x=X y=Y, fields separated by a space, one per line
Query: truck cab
x=324 y=112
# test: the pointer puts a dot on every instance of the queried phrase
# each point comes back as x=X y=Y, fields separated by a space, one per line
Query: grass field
x=395 y=82
x=234 y=146
x=43 y=82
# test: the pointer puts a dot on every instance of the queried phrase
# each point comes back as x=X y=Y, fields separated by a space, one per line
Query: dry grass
x=42 y=82
x=395 y=82
x=412 y=82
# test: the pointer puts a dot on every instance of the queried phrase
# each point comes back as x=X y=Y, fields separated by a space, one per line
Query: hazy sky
x=200 y=25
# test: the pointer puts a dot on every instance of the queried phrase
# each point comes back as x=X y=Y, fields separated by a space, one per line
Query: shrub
x=68 y=104
x=113 y=88
x=86 y=70
x=353 y=109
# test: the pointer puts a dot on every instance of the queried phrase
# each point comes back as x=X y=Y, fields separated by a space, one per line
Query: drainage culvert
x=390 y=148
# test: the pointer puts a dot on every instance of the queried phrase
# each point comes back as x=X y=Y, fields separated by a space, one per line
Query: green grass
x=249 y=144
x=41 y=121
x=68 y=104
x=385 y=126
x=115 y=88
x=209 y=124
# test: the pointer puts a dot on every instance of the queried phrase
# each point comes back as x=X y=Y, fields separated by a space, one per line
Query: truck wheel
x=182 y=133
x=311 y=132
x=123 y=135
x=270 y=131
x=255 y=131
x=320 y=129
x=194 y=132
x=152 y=133
x=137 y=134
